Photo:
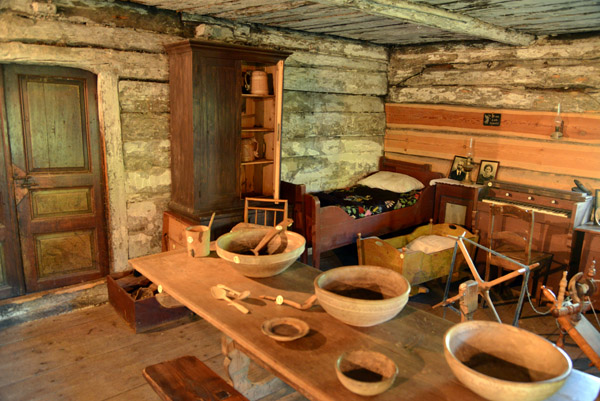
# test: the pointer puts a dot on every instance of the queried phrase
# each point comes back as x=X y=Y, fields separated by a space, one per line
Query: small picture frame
x=488 y=169
x=457 y=171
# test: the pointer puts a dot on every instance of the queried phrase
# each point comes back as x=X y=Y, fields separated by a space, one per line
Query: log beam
x=435 y=17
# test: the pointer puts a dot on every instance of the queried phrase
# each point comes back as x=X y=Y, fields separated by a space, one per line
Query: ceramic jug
x=247 y=81
x=256 y=82
x=249 y=149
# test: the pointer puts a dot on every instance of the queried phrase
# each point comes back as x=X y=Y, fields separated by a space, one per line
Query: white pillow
x=388 y=180
x=431 y=243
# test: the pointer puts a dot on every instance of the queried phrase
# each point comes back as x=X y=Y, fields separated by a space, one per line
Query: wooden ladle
x=279 y=228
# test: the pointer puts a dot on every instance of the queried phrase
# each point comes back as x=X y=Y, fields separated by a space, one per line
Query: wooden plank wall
x=438 y=96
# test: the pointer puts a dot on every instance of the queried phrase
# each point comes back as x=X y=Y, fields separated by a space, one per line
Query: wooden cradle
x=417 y=267
x=330 y=227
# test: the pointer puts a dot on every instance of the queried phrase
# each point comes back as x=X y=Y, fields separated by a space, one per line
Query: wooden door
x=57 y=174
x=11 y=273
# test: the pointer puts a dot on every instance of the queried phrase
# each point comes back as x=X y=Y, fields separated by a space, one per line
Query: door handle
x=26 y=182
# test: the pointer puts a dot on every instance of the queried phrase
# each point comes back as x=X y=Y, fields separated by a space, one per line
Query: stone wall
x=334 y=119
x=524 y=84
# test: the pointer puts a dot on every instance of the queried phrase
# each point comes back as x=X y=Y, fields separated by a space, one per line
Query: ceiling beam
x=422 y=14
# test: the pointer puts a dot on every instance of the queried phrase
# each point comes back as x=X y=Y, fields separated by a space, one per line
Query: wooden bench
x=187 y=378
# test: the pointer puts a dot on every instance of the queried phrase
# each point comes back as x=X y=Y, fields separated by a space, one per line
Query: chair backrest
x=516 y=235
x=264 y=211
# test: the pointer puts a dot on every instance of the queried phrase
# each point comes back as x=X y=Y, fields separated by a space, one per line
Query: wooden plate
x=285 y=328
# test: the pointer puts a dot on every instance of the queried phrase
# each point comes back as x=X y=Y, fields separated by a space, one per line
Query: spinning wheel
x=481 y=287
x=569 y=314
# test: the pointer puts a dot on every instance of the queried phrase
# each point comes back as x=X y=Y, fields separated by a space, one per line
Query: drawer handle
x=530 y=198
x=507 y=194
x=554 y=202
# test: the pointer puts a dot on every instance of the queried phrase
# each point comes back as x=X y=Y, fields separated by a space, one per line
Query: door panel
x=56 y=136
x=61 y=202
x=64 y=252
x=57 y=174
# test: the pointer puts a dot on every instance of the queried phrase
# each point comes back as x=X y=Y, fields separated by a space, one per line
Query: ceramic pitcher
x=249 y=149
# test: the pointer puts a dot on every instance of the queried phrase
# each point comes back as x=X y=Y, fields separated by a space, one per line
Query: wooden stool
x=187 y=378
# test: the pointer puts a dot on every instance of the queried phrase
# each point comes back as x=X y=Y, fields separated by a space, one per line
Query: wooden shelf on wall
x=520 y=141
x=521 y=123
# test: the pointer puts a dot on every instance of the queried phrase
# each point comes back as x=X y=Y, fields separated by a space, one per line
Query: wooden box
x=143 y=314
x=174 y=226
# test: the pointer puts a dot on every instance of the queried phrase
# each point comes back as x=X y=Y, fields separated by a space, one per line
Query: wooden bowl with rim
x=234 y=247
x=505 y=363
x=366 y=372
x=362 y=296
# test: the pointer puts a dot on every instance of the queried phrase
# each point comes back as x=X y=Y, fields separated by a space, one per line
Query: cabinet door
x=217 y=107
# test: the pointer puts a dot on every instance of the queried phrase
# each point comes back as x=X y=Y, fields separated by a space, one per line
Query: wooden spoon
x=272 y=233
x=221 y=293
x=279 y=300
x=236 y=294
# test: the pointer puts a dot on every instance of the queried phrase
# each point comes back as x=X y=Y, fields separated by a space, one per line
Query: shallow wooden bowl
x=285 y=328
x=366 y=372
x=362 y=295
x=505 y=363
x=231 y=245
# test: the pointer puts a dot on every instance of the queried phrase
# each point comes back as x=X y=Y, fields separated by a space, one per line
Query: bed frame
x=327 y=228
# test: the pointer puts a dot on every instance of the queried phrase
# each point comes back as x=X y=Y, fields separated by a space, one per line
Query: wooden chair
x=264 y=211
x=511 y=233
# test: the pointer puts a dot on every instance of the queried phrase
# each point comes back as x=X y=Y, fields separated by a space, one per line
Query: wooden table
x=413 y=339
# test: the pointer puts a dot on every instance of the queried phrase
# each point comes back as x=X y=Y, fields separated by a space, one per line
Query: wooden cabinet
x=210 y=116
x=455 y=203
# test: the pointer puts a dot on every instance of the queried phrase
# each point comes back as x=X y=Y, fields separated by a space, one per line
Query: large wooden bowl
x=505 y=363
x=229 y=247
x=362 y=296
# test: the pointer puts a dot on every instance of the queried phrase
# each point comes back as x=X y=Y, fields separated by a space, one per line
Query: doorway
x=53 y=231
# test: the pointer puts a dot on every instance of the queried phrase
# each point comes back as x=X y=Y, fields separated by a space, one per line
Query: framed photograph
x=457 y=171
x=487 y=171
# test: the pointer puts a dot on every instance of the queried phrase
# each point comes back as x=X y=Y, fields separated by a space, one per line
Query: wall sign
x=492 y=119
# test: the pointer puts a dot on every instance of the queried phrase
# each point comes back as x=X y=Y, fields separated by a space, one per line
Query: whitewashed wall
x=334 y=119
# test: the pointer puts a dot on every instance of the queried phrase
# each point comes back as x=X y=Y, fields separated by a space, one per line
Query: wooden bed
x=330 y=227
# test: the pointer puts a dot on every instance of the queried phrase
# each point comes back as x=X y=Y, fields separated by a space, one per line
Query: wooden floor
x=92 y=354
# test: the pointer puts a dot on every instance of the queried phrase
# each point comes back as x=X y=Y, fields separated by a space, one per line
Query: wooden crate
x=144 y=314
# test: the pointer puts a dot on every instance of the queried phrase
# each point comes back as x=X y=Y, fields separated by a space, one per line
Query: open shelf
x=257 y=161
x=257 y=129
x=257 y=96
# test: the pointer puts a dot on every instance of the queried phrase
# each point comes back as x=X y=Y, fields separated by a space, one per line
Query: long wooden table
x=413 y=339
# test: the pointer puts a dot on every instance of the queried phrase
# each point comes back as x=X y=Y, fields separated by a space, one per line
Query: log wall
x=334 y=120
x=439 y=94
x=333 y=104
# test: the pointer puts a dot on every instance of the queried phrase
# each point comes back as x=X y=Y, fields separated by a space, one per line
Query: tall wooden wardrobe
x=213 y=110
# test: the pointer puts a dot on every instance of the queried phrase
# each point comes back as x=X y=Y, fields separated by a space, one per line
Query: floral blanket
x=361 y=201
